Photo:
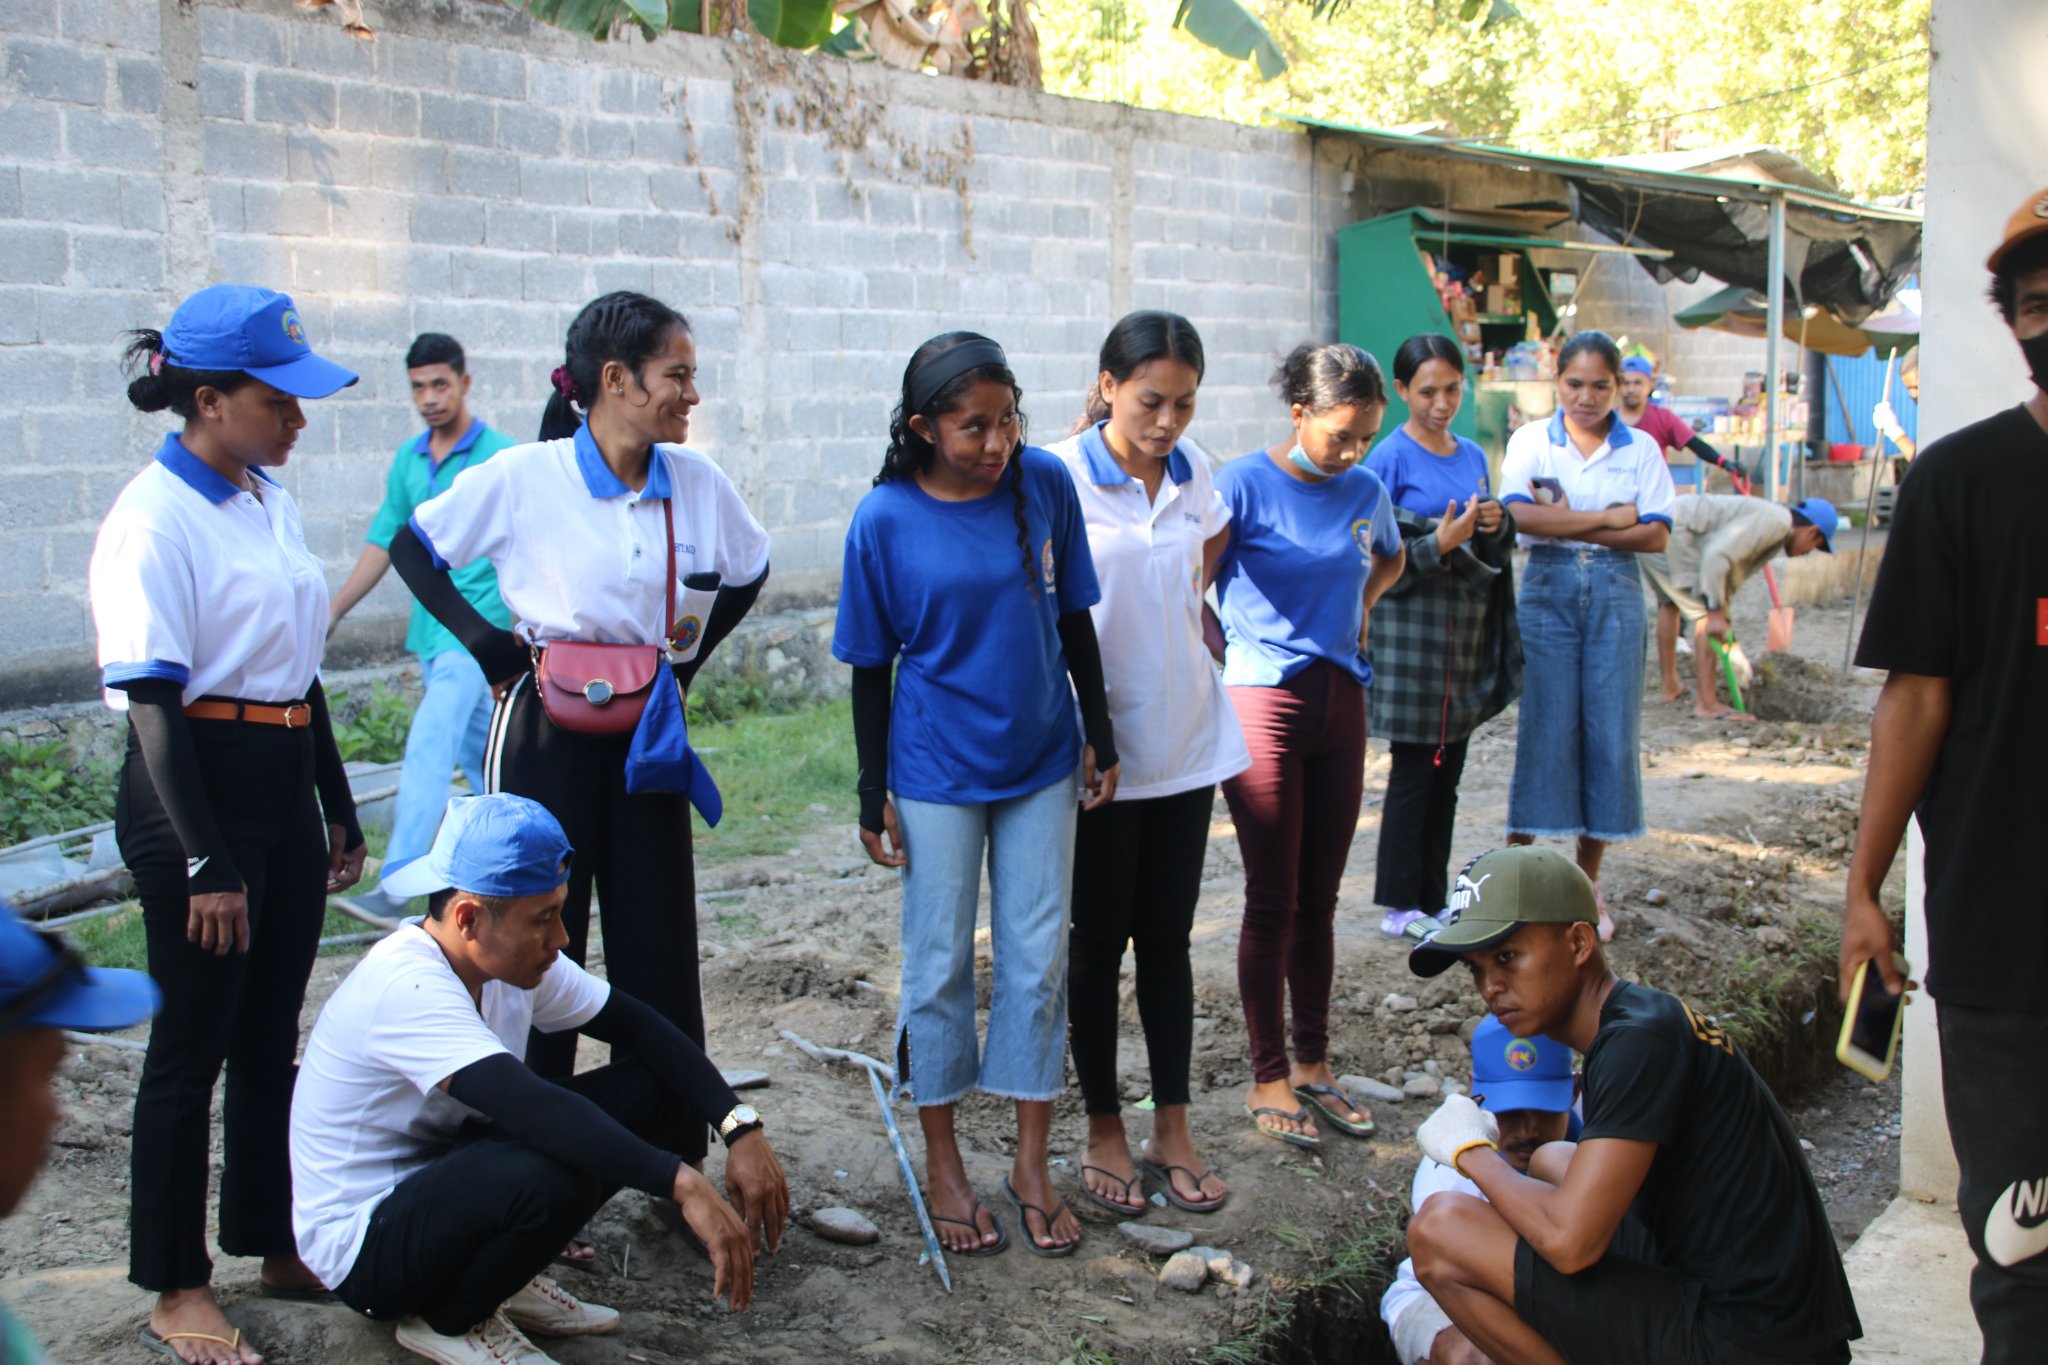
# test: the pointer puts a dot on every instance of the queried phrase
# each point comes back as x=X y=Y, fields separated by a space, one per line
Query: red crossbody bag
x=602 y=689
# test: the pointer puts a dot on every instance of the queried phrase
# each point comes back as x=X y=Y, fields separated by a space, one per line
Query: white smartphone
x=1869 y=1043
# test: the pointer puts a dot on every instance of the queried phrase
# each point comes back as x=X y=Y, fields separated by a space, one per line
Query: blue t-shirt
x=983 y=710
x=1293 y=581
x=1421 y=481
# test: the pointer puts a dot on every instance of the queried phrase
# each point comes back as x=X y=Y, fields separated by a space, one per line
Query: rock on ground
x=1156 y=1239
x=1186 y=1271
x=1365 y=1087
x=844 y=1225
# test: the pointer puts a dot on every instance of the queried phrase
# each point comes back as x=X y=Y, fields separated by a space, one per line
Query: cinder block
x=553 y=182
x=447 y=118
x=51 y=372
x=332 y=159
x=10 y=192
x=139 y=82
x=54 y=196
x=38 y=499
x=650 y=234
x=117 y=260
x=625 y=92
x=554 y=279
x=223 y=91
x=418 y=64
x=142 y=203
x=619 y=186
x=375 y=109
x=487 y=275
x=601 y=141
x=31 y=133
x=28 y=16
x=416 y=272
x=677 y=190
x=18 y=318
x=408 y=167
x=244 y=151
x=234 y=36
x=586 y=234
x=606 y=276
x=84 y=435
x=131 y=24
x=515 y=227
x=294 y=98
x=324 y=47
x=285 y=210
x=483 y=175
x=54 y=71
x=536 y=132
x=368 y=215
x=262 y=261
x=551 y=85
x=483 y=71
x=661 y=141
x=447 y=222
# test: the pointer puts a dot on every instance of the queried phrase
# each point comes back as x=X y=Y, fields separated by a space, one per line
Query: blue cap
x=256 y=331
x=1637 y=364
x=44 y=984
x=1821 y=513
x=493 y=845
x=1519 y=1073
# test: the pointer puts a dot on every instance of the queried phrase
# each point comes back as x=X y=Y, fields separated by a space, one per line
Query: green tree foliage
x=1576 y=77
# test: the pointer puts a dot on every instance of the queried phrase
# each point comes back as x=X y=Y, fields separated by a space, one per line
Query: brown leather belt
x=292 y=716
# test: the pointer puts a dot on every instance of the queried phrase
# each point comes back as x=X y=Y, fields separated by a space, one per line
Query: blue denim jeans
x=448 y=731
x=1578 y=742
x=1029 y=845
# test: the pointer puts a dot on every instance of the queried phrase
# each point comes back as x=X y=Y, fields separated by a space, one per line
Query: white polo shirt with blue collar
x=1542 y=465
x=201 y=583
x=580 y=556
x=1175 y=727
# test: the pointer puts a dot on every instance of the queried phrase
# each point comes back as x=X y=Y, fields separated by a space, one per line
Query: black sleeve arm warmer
x=665 y=1050
x=497 y=651
x=871 y=688
x=727 y=610
x=156 y=710
x=1084 y=664
x=557 y=1121
x=1698 y=446
x=330 y=776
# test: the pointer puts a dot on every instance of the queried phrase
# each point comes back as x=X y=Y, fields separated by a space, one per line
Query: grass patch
x=1331 y=1313
x=51 y=789
x=118 y=940
x=783 y=773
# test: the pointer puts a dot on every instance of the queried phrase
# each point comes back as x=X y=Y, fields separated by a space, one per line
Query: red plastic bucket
x=1845 y=454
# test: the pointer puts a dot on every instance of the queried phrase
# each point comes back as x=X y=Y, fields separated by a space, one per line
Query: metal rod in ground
x=876 y=1070
x=1869 y=512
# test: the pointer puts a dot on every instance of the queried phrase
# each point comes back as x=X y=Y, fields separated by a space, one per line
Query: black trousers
x=1415 y=827
x=240 y=1010
x=1991 y=1079
x=634 y=851
x=465 y=1232
x=1137 y=875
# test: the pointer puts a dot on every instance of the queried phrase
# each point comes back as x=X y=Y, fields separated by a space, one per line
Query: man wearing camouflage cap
x=1678 y=1126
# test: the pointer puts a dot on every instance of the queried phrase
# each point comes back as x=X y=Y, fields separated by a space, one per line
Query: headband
x=942 y=369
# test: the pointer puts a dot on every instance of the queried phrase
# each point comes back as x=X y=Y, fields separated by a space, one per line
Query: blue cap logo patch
x=293 y=328
x=686 y=632
x=1521 y=1054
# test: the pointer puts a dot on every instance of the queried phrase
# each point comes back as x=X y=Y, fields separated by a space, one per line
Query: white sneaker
x=546 y=1309
x=493 y=1341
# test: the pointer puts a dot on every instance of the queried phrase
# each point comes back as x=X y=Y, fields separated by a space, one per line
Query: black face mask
x=2035 y=349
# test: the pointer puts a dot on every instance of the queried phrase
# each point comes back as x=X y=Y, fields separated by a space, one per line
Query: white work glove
x=1458 y=1125
x=1887 y=421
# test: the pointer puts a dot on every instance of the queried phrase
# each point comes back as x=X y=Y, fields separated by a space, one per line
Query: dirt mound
x=1790 y=688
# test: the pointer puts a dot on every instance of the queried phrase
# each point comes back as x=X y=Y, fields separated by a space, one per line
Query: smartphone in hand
x=1869 y=1042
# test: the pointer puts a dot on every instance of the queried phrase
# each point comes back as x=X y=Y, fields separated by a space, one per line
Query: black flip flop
x=1315 y=1094
x=973 y=1220
x=1162 y=1171
x=1302 y=1140
x=1023 y=1221
x=1137 y=1179
x=291 y=1295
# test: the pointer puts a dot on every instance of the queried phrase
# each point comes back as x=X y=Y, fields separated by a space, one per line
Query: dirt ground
x=1750 y=827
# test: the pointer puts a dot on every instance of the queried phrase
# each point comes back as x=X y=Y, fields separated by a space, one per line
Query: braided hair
x=910 y=454
x=623 y=326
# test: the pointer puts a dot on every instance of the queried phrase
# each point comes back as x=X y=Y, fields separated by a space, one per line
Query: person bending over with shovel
x=434 y=1174
x=1718 y=540
x=1738 y=1265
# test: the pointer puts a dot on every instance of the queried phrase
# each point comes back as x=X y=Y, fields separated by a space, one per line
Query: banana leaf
x=1234 y=31
x=792 y=23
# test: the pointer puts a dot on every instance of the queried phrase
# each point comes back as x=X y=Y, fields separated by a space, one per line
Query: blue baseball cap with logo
x=1519 y=1073
x=1637 y=364
x=44 y=983
x=256 y=331
x=493 y=845
x=1821 y=513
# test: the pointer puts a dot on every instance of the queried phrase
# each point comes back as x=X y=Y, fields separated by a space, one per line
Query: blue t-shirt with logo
x=1292 y=583
x=983 y=710
x=1421 y=481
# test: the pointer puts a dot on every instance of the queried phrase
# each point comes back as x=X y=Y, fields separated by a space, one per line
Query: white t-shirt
x=1175 y=728
x=1628 y=467
x=1406 y=1291
x=579 y=555
x=367 y=1110
x=197 y=582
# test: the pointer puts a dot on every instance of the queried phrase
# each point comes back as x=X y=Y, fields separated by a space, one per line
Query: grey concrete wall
x=475 y=173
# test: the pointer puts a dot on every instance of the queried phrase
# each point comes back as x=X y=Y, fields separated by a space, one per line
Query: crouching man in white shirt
x=434 y=1175
x=1526 y=1083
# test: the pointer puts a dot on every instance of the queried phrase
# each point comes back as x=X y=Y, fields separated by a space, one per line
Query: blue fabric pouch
x=661 y=759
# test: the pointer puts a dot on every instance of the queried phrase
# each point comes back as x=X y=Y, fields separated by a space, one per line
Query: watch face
x=743 y=1114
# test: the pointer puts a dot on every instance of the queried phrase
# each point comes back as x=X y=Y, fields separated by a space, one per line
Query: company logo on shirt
x=1045 y=560
x=686 y=632
x=292 y=327
x=1704 y=1030
x=1361 y=536
x=1521 y=1054
x=683 y=549
x=2016 y=1229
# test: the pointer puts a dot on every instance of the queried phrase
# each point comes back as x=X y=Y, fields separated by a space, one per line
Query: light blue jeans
x=1029 y=845
x=448 y=731
x=1578 y=739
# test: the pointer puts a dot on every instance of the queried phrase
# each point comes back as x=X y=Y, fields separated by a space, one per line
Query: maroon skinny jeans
x=1296 y=810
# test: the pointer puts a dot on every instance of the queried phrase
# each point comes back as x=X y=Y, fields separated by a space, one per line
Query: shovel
x=1778 y=629
x=1733 y=666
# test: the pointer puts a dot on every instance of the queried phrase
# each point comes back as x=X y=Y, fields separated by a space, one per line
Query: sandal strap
x=1137 y=1177
x=972 y=1220
x=233 y=1343
x=1299 y=1114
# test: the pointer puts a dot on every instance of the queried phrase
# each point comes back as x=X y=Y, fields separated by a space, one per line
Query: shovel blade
x=1778 y=631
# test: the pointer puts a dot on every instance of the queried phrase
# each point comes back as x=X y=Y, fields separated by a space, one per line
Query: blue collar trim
x=1619 y=433
x=1104 y=470
x=469 y=438
x=202 y=477
x=598 y=476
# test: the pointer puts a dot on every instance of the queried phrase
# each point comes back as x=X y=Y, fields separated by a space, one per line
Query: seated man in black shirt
x=1677 y=1126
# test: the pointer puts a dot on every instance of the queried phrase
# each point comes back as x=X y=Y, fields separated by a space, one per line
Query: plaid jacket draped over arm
x=1445 y=648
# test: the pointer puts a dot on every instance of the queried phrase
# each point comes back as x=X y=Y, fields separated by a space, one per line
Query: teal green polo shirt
x=415 y=479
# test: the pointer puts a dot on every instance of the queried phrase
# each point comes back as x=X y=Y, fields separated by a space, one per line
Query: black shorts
x=1627 y=1310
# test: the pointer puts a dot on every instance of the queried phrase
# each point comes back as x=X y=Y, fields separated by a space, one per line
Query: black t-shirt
x=1963 y=594
x=1728 y=1199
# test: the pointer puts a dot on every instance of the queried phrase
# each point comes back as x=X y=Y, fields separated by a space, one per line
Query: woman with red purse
x=625 y=558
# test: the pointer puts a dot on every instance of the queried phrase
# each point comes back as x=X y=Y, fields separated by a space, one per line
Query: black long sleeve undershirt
x=156 y=712
x=501 y=654
x=330 y=774
x=674 y=1058
x=1084 y=666
x=728 y=609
